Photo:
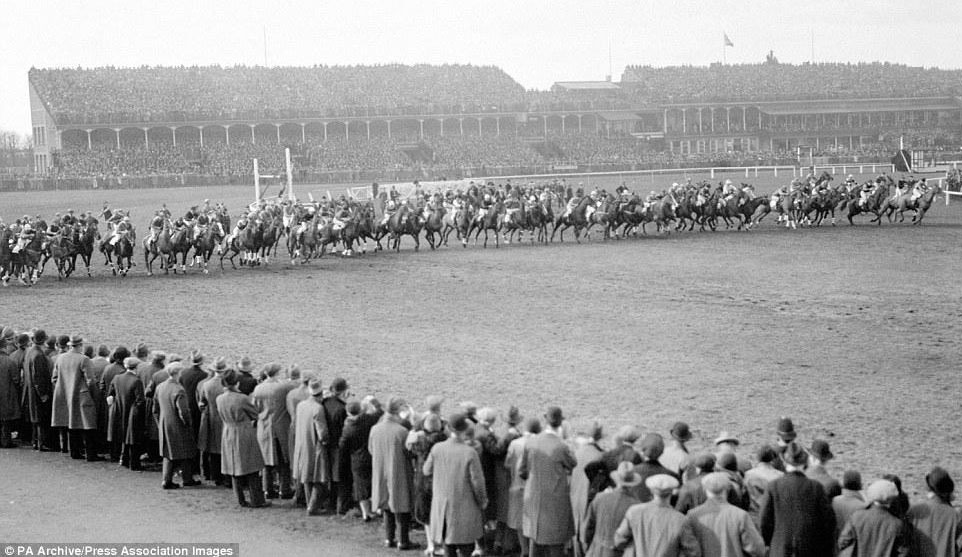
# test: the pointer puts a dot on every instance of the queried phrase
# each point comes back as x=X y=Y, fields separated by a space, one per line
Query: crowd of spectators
x=773 y=81
x=153 y=94
x=475 y=151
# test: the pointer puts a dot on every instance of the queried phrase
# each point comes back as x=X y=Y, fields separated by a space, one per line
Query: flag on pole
x=728 y=42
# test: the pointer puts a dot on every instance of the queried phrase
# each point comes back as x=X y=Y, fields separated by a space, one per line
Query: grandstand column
x=389 y=129
x=684 y=120
x=711 y=111
x=227 y=135
x=325 y=131
x=117 y=131
x=544 y=120
x=497 y=126
x=579 y=121
x=728 y=118
x=744 y=119
x=442 y=126
x=173 y=135
x=278 y=126
x=562 y=125
x=253 y=141
x=700 y=128
x=421 y=127
x=89 y=143
x=146 y=141
x=347 y=131
x=665 y=129
x=368 y=122
x=759 y=117
x=461 y=125
x=303 y=133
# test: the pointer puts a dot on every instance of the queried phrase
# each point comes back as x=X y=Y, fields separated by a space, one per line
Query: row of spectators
x=153 y=94
x=432 y=155
x=773 y=81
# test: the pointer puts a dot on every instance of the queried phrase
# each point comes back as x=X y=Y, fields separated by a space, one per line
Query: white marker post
x=290 y=176
x=257 y=183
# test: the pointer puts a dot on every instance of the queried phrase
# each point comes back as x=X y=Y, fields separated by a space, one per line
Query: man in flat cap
x=936 y=525
x=723 y=529
x=654 y=528
x=546 y=464
x=796 y=516
x=875 y=530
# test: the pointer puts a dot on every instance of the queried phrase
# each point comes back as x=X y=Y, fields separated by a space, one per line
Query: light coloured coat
x=273 y=421
x=547 y=463
x=392 y=480
x=211 y=426
x=459 y=493
x=309 y=461
x=174 y=427
x=240 y=452
x=73 y=405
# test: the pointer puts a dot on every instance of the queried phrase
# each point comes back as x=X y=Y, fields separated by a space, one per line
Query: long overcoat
x=459 y=493
x=211 y=427
x=240 y=453
x=73 y=405
x=9 y=389
x=797 y=518
x=295 y=396
x=546 y=463
x=273 y=421
x=391 y=475
x=37 y=386
x=190 y=378
x=126 y=421
x=309 y=462
x=174 y=427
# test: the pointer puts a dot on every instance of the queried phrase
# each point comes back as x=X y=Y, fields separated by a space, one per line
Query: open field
x=852 y=331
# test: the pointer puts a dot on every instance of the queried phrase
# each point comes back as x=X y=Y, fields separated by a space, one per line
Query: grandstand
x=360 y=122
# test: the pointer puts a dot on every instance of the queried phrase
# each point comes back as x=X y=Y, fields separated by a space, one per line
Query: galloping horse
x=491 y=220
x=874 y=204
x=403 y=222
x=433 y=223
x=63 y=251
x=123 y=251
x=246 y=243
x=605 y=216
x=25 y=265
x=576 y=220
x=458 y=221
x=920 y=205
x=205 y=244
x=84 y=241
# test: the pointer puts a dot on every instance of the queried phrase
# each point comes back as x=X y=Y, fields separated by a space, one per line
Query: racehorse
x=205 y=244
x=606 y=216
x=124 y=252
x=874 y=204
x=433 y=224
x=491 y=220
x=576 y=219
x=84 y=241
x=661 y=212
x=246 y=243
x=303 y=244
x=920 y=205
x=403 y=222
x=538 y=219
x=458 y=222
x=25 y=265
x=64 y=254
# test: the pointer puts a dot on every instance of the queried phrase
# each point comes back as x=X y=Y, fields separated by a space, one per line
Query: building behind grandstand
x=212 y=120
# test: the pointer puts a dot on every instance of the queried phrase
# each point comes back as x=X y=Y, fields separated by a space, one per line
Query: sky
x=537 y=42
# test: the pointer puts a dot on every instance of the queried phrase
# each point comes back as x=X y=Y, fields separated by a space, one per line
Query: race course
x=854 y=332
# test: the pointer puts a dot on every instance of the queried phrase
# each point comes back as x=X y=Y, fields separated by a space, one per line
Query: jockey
x=52 y=232
x=730 y=190
x=850 y=182
x=106 y=213
x=341 y=215
x=650 y=199
x=26 y=236
x=203 y=221
x=307 y=219
x=703 y=194
x=69 y=219
x=749 y=192
x=207 y=208
x=777 y=195
x=123 y=227
x=866 y=192
x=486 y=202
x=920 y=188
x=512 y=206
x=389 y=209
x=156 y=225
x=241 y=224
x=574 y=201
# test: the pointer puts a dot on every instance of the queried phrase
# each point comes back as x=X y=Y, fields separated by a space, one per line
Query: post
x=290 y=176
x=257 y=183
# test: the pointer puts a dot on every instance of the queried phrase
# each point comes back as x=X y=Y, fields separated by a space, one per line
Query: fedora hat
x=681 y=432
x=514 y=416
x=219 y=365
x=38 y=336
x=315 y=387
x=725 y=437
x=75 y=340
x=197 y=358
x=821 y=450
x=7 y=334
x=245 y=365
x=625 y=476
x=786 y=429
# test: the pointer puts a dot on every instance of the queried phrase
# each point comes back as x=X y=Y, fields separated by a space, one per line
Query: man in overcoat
x=606 y=512
x=190 y=378
x=211 y=427
x=295 y=396
x=9 y=396
x=38 y=390
x=339 y=486
x=309 y=462
x=177 y=444
x=936 y=525
x=545 y=465
x=125 y=428
x=240 y=453
x=73 y=406
x=796 y=516
x=392 y=489
x=273 y=428
x=459 y=492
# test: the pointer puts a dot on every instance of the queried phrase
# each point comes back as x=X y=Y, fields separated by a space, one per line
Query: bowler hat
x=514 y=416
x=680 y=431
x=821 y=450
x=339 y=385
x=39 y=336
x=652 y=446
x=725 y=437
x=458 y=423
x=852 y=480
x=705 y=462
x=554 y=416
x=939 y=481
x=786 y=429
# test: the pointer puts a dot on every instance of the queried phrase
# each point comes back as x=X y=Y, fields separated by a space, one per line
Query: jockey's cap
x=674 y=184
x=27 y=228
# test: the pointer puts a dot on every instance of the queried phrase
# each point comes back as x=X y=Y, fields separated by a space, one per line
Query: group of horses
x=309 y=237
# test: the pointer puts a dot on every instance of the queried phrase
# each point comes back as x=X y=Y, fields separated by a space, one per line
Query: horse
x=458 y=222
x=576 y=219
x=403 y=222
x=123 y=251
x=754 y=210
x=538 y=219
x=63 y=252
x=25 y=264
x=6 y=256
x=270 y=238
x=205 y=244
x=491 y=220
x=606 y=216
x=246 y=243
x=84 y=241
x=874 y=204
x=920 y=205
x=515 y=221
x=303 y=244
x=661 y=212
x=433 y=224
x=152 y=250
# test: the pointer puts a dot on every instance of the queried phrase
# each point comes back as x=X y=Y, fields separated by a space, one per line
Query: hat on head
x=245 y=364
x=766 y=453
x=680 y=431
x=131 y=362
x=852 y=480
x=395 y=404
x=353 y=408
x=795 y=455
x=75 y=340
x=786 y=429
x=727 y=461
x=7 y=334
x=458 y=423
x=23 y=339
x=882 y=491
x=939 y=481
x=514 y=416
x=725 y=437
x=821 y=451
x=554 y=416
x=705 y=462
x=661 y=484
x=196 y=358
x=628 y=434
x=219 y=365
x=157 y=356
x=39 y=336
x=315 y=387
x=434 y=403
x=625 y=476
x=652 y=446
x=339 y=385
x=716 y=482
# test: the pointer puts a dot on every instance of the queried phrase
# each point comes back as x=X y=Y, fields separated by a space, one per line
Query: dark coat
x=546 y=464
x=174 y=427
x=936 y=529
x=246 y=382
x=211 y=428
x=646 y=470
x=599 y=471
x=354 y=441
x=9 y=389
x=37 y=385
x=796 y=518
x=190 y=378
x=602 y=519
x=875 y=532
x=126 y=421
x=334 y=409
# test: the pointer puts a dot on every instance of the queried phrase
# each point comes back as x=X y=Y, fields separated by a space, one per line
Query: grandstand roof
x=618 y=116
x=585 y=86
x=859 y=105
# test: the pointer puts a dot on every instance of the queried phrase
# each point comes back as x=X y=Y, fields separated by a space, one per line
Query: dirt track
x=851 y=331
